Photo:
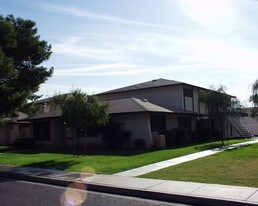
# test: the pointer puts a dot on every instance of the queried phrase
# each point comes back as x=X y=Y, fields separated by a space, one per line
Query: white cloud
x=124 y=48
x=52 y=89
x=218 y=53
x=94 y=68
x=124 y=69
x=65 y=10
x=219 y=16
x=87 y=52
x=128 y=53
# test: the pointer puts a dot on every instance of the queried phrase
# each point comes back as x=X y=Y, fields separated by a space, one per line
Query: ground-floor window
x=41 y=130
x=185 y=122
x=158 y=123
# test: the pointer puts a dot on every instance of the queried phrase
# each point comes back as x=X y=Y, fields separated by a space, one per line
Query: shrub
x=23 y=143
x=182 y=136
x=194 y=136
x=170 y=137
x=176 y=137
x=114 y=134
x=139 y=143
x=216 y=134
x=204 y=133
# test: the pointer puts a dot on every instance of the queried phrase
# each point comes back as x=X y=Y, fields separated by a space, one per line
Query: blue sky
x=105 y=44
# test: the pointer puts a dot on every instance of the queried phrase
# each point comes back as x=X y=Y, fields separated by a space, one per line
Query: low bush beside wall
x=177 y=137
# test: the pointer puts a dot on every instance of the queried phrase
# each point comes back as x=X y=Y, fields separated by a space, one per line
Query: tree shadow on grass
x=209 y=146
x=52 y=164
x=4 y=149
x=238 y=148
x=89 y=151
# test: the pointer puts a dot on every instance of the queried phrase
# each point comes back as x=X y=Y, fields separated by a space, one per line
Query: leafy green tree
x=21 y=55
x=254 y=99
x=218 y=104
x=115 y=134
x=80 y=110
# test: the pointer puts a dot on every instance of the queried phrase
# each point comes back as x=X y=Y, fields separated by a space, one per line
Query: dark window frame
x=185 y=122
x=41 y=130
x=158 y=122
x=188 y=92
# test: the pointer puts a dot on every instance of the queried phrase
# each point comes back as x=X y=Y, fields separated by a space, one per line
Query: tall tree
x=218 y=104
x=254 y=99
x=21 y=55
x=80 y=110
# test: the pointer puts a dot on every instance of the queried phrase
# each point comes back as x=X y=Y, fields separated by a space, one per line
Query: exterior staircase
x=234 y=119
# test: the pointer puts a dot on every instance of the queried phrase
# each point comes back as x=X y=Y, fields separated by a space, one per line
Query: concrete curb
x=148 y=194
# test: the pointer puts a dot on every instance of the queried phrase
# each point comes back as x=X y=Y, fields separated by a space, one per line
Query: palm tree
x=254 y=99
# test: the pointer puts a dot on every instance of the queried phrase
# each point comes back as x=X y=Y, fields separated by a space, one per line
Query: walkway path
x=163 y=190
x=125 y=184
x=175 y=161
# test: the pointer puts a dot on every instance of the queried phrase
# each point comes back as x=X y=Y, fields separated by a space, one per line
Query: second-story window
x=188 y=92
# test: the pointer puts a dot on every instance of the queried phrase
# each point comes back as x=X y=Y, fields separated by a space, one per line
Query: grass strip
x=233 y=167
x=101 y=161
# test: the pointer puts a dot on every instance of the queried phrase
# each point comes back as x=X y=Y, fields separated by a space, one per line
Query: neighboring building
x=169 y=94
x=14 y=129
x=250 y=123
x=143 y=108
x=178 y=101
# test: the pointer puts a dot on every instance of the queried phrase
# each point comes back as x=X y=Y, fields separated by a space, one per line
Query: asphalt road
x=21 y=193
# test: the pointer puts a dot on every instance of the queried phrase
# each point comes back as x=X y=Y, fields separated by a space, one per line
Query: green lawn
x=234 y=167
x=108 y=161
x=6 y=149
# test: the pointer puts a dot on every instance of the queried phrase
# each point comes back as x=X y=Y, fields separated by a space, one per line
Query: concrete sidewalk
x=125 y=183
x=169 y=191
x=175 y=161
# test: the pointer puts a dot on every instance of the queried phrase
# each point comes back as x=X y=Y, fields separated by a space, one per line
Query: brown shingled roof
x=124 y=106
x=144 y=85
x=132 y=105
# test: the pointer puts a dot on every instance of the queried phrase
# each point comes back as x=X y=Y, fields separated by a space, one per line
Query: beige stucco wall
x=119 y=95
x=171 y=96
x=11 y=132
x=139 y=125
x=14 y=133
x=4 y=135
x=251 y=124
x=60 y=136
x=164 y=96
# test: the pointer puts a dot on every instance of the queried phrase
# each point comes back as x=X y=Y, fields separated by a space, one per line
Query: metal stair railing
x=234 y=119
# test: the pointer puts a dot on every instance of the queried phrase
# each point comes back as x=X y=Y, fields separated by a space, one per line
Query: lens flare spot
x=87 y=172
x=74 y=195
